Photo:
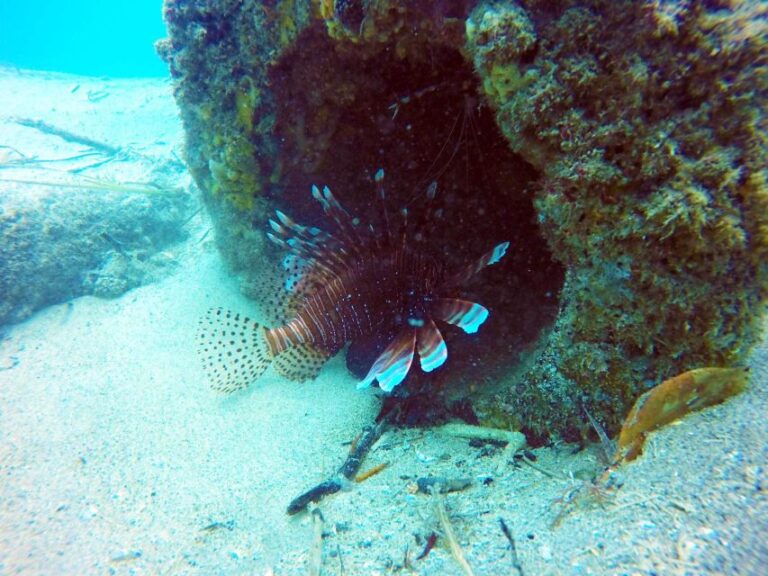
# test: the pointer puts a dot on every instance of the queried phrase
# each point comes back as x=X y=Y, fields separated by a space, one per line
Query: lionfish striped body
x=349 y=284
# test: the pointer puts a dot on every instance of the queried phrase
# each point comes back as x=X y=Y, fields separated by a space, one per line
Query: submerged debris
x=346 y=472
x=607 y=446
x=363 y=476
x=586 y=494
x=674 y=398
x=316 y=556
x=453 y=543
x=215 y=526
x=431 y=541
x=440 y=485
x=513 y=439
x=512 y=547
x=665 y=403
x=47 y=128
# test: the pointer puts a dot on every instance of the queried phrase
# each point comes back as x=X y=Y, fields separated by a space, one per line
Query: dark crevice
x=346 y=111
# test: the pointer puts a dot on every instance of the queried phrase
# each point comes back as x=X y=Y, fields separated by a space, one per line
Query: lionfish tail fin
x=432 y=349
x=301 y=362
x=233 y=349
x=392 y=366
x=487 y=259
x=468 y=316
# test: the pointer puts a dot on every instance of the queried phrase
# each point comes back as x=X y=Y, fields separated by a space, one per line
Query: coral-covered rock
x=646 y=120
x=622 y=142
x=58 y=245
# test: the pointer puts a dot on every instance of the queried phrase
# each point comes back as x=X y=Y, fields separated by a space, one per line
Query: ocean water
x=91 y=37
x=119 y=454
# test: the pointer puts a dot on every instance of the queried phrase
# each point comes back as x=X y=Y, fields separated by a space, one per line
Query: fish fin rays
x=392 y=366
x=432 y=349
x=233 y=349
x=344 y=221
x=313 y=246
x=394 y=363
x=282 y=289
x=301 y=362
x=334 y=254
x=489 y=258
x=468 y=316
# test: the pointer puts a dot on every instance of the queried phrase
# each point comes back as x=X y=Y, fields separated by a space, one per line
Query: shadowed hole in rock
x=346 y=110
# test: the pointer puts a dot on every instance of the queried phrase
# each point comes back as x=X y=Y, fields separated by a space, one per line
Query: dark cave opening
x=344 y=111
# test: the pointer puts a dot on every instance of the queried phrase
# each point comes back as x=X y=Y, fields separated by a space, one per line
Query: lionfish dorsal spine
x=426 y=223
x=350 y=241
x=311 y=244
x=378 y=179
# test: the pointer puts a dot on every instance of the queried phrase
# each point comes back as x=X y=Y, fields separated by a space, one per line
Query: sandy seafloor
x=116 y=458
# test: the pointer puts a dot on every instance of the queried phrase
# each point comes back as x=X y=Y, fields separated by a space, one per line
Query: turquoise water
x=92 y=37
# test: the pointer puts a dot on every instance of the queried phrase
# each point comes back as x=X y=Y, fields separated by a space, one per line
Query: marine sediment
x=619 y=146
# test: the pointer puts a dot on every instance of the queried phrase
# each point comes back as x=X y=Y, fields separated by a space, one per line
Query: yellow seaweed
x=673 y=399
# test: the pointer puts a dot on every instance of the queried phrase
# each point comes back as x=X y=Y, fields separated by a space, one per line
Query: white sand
x=115 y=455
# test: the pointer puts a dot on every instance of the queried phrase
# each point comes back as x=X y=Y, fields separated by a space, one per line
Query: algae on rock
x=647 y=123
x=622 y=142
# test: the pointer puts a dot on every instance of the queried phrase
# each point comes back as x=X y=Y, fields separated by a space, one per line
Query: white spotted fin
x=233 y=349
x=300 y=362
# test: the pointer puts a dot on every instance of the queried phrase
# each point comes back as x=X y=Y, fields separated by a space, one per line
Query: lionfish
x=348 y=285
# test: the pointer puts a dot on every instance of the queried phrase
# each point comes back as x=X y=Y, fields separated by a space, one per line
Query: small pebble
x=443 y=485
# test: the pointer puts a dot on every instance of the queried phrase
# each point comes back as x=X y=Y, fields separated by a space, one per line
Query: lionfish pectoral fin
x=233 y=349
x=468 y=316
x=432 y=349
x=392 y=366
x=489 y=258
x=301 y=362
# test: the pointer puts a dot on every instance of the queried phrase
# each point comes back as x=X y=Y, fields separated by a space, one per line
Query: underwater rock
x=620 y=146
x=68 y=243
x=647 y=122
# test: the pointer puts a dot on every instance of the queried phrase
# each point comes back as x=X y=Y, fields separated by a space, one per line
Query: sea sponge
x=647 y=123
